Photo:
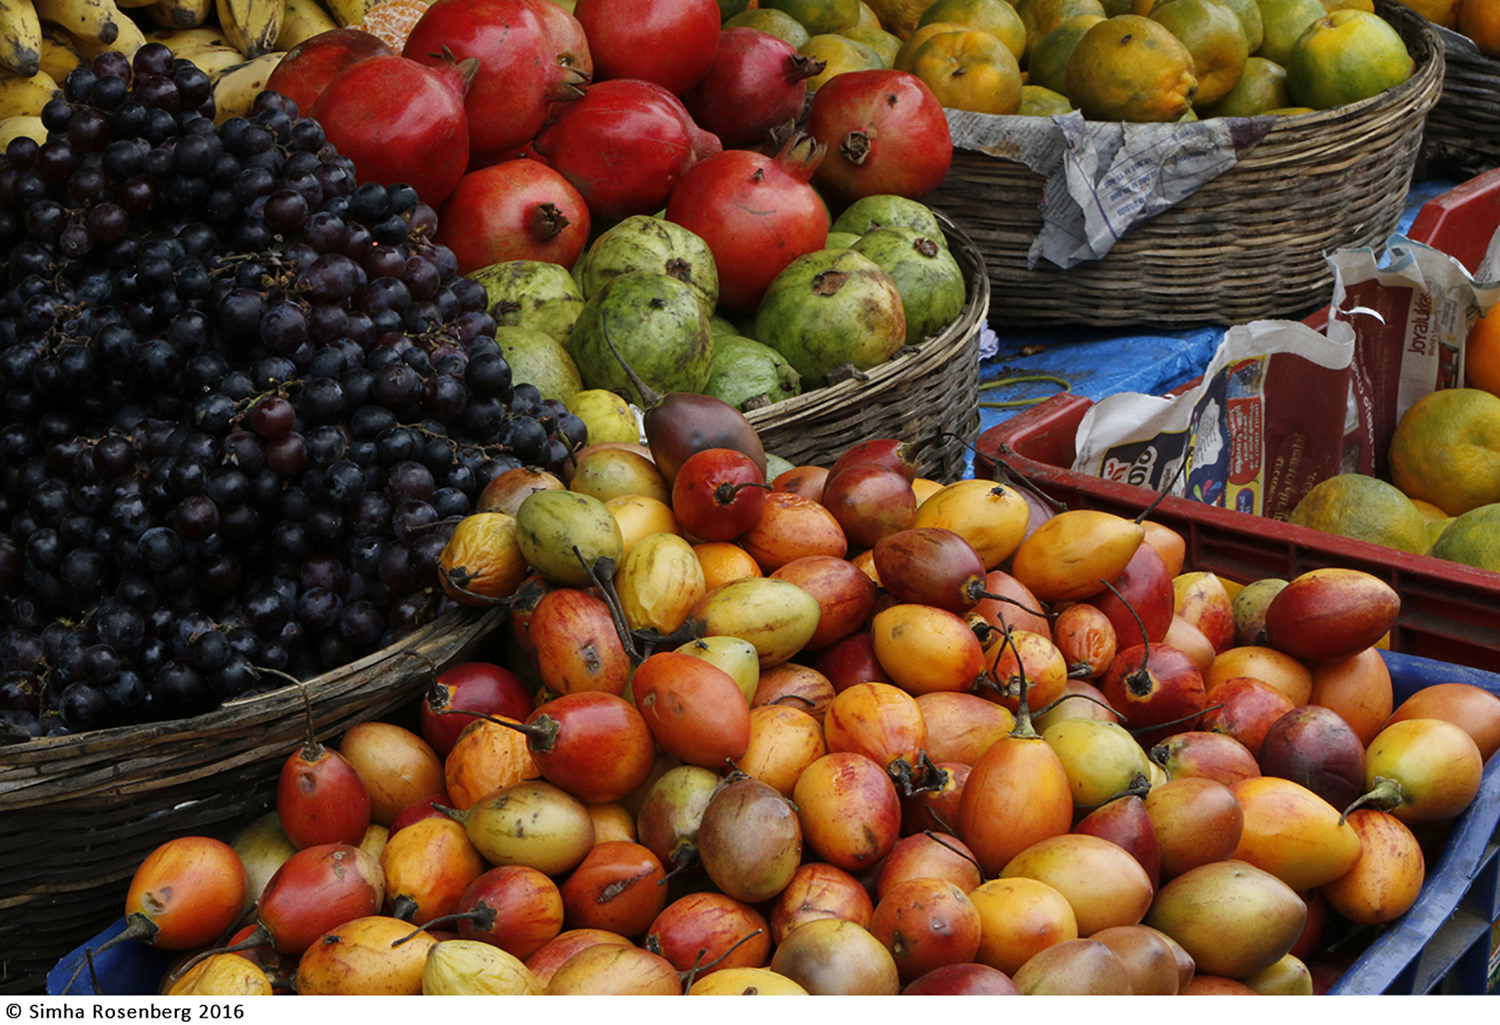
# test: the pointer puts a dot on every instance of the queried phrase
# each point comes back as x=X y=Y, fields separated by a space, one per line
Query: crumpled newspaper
x=1104 y=177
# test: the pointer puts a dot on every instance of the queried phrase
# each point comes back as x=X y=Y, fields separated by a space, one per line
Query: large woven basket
x=927 y=395
x=1249 y=244
x=1463 y=128
x=79 y=813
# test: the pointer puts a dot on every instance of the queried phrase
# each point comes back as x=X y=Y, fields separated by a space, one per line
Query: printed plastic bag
x=1264 y=423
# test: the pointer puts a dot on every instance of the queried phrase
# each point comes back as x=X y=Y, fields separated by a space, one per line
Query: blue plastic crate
x=1443 y=943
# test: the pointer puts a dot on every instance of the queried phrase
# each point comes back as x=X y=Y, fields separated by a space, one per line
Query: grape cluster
x=245 y=399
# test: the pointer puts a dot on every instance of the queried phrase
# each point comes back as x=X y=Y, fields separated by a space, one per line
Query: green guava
x=532 y=293
x=746 y=371
x=866 y=214
x=657 y=325
x=535 y=357
x=929 y=279
x=831 y=307
x=650 y=244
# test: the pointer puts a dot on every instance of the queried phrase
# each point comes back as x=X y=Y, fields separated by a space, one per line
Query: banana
x=303 y=20
x=180 y=14
x=181 y=39
x=211 y=60
x=251 y=25
x=18 y=125
x=59 y=53
x=99 y=20
x=128 y=39
x=349 y=12
x=20 y=37
x=25 y=95
x=236 y=88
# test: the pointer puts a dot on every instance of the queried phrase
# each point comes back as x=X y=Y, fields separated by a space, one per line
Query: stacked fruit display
x=859 y=733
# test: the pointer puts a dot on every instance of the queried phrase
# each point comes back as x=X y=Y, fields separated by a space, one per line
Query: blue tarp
x=1096 y=362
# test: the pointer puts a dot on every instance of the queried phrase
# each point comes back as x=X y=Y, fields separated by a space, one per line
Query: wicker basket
x=79 y=813
x=926 y=395
x=1249 y=244
x=1463 y=128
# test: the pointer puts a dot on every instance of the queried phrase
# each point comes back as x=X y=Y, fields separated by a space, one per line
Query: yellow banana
x=211 y=60
x=303 y=20
x=20 y=37
x=181 y=39
x=25 y=95
x=236 y=88
x=18 y=125
x=128 y=39
x=180 y=14
x=251 y=25
x=99 y=20
x=349 y=12
x=59 y=53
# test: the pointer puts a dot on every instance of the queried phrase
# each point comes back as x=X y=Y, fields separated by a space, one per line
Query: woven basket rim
x=226 y=737
x=1351 y=120
x=933 y=351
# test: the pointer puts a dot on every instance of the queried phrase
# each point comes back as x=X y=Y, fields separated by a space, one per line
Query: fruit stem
x=726 y=492
x=1086 y=697
x=943 y=842
x=602 y=573
x=1386 y=794
x=541 y=732
x=259 y=936
x=137 y=927
x=1024 y=730
x=649 y=396
x=1166 y=490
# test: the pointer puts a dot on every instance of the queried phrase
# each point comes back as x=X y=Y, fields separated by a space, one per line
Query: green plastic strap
x=1061 y=382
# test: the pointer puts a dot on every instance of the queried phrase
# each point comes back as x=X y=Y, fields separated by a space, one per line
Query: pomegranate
x=757 y=214
x=531 y=59
x=624 y=146
x=670 y=42
x=401 y=121
x=886 y=135
x=312 y=63
x=513 y=210
x=756 y=83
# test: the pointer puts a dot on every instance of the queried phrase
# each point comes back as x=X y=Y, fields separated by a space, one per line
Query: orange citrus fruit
x=997 y=17
x=839 y=54
x=819 y=16
x=1482 y=353
x=1042 y=16
x=1430 y=512
x=970 y=70
x=1344 y=57
x=884 y=45
x=912 y=43
x=1213 y=34
x=1472 y=539
x=1353 y=5
x=391 y=21
x=777 y=23
x=1480 y=21
x=1130 y=68
x=1039 y=101
x=1261 y=89
x=1048 y=64
x=1446 y=450
x=1282 y=22
x=1248 y=11
x=1439 y=12
x=1362 y=507
x=898 y=17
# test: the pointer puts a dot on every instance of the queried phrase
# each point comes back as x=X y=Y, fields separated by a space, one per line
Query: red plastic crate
x=1449 y=612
